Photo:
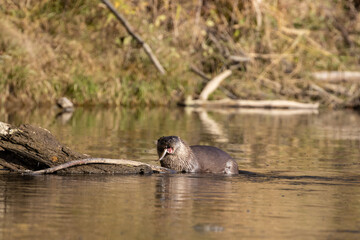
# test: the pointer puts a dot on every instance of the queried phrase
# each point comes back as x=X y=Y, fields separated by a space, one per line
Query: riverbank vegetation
x=77 y=49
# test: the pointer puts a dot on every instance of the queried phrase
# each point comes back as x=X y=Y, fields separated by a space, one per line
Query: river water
x=303 y=179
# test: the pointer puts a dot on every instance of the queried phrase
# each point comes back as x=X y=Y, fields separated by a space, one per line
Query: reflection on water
x=177 y=207
x=306 y=181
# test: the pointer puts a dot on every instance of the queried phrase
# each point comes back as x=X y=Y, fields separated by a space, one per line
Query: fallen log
x=214 y=83
x=337 y=76
x=281 y=104
x=33 y=150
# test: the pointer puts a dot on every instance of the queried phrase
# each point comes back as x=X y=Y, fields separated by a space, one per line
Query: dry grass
x=50 y=49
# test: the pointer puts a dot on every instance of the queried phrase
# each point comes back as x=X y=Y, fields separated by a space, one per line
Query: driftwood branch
x=34 y=150
x=129 y=29
x=240 y=58
x=337 y=89
x=283 y=104
x=325 y=95
x=207 y=79
x=99 y=160
x=354 y=102
x=237 y=103
x=337 y=76
x=344 y=32
x=275 y=86
x=200 y=73
x=213 y=84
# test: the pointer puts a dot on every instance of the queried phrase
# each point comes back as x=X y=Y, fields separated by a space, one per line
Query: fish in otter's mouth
x=167 y=145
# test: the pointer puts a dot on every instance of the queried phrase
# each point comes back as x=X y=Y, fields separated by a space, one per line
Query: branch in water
x=97 y=161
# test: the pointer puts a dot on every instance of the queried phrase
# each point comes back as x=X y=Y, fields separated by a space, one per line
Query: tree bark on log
x=32 y=150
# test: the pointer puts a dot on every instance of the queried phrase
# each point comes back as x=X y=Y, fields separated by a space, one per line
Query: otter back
x=214 y=160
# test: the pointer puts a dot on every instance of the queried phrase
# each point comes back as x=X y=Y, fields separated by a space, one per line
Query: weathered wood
x=207 y=79
x=337 y=89
x=200 y=73
x=240 y=58
x=354 y=102
x=283 y=104
x=330 y=98
x=99 y=160
x=30 y=149
x=337 y=76
x=213 y=84
x=65 y=104
x=129 y=29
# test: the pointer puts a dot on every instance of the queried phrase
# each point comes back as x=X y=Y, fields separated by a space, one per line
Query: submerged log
x=33 y=150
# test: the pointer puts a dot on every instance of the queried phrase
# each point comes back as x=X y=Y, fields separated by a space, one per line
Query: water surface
x=304 y=181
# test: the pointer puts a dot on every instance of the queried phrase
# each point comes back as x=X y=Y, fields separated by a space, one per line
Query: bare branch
x=129 y=29
x=200 y=73
x=213 y=84
x=97 y=161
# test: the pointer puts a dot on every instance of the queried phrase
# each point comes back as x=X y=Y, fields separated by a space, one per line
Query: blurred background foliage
x=78 y=49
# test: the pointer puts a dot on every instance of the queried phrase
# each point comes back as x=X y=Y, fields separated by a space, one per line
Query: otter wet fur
x=175 y=154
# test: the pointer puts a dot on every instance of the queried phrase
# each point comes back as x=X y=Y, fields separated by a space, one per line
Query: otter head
x=168 y=145
x=175 y=154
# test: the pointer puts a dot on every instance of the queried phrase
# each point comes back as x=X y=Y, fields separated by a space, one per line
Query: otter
x=175 y=154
